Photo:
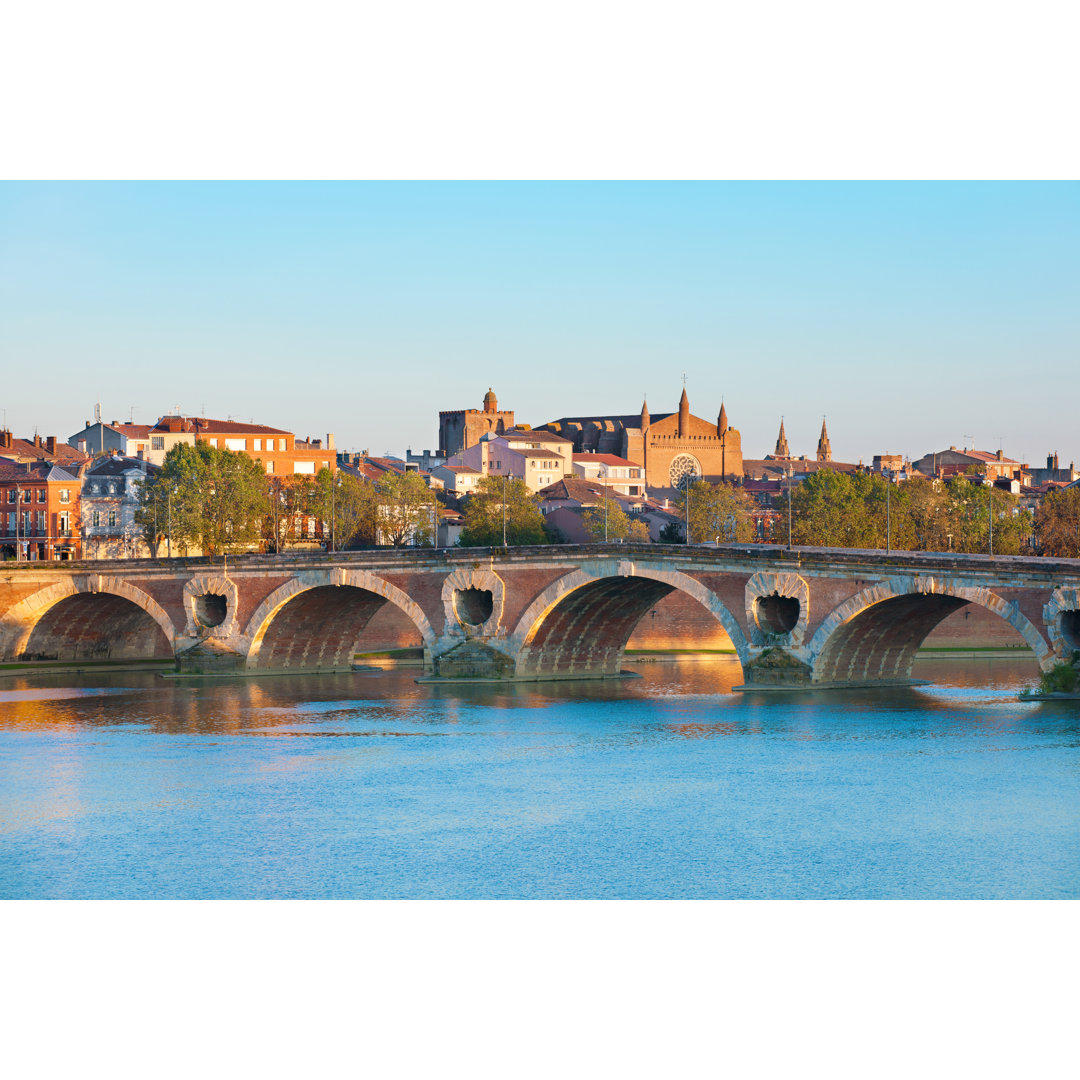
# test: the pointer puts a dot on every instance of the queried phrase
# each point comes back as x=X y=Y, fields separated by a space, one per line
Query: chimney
x=50 y=444
x=37 y=439
x=1001 y=455
x=329 y=440
x=5 y=439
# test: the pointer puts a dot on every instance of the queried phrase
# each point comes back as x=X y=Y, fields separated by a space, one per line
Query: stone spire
x=490 y=402
x=644 y=422
x=781 y=443
x=684 y=414
x=824 y=450
x=721 y=421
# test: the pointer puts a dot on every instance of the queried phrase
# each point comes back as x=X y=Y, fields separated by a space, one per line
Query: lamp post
x=789 y=514
x=990 y=518
x=605 y=517
x=888 y=516
x=333 y=514
x=686 y=491
x=504 y=508
x=168 y=549
x=18 y=516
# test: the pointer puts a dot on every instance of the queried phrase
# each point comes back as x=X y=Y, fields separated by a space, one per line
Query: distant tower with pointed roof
x=824 y=450
x=684 y=415
x=644 y=422
x=721 y=421
x=782 y=449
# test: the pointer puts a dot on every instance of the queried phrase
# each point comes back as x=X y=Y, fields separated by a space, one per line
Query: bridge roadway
x=798 y=617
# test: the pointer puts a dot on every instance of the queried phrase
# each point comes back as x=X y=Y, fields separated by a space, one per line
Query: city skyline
x=913 y=315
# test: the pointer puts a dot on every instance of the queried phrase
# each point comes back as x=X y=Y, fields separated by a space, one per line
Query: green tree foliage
x=638 y=533
x=857 y=510
x=483 y=513
x=671 y=533
x=347 y=507
x=1057 y=524
x=717 y=510
x=606 y=520
x=405 y=509
x=205 y=498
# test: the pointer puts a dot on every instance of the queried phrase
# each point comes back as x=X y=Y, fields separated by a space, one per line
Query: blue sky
x=912 y=314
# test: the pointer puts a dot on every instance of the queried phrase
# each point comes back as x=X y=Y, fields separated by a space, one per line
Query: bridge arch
x=580 y=624
x=92 y=616
x=315 y=619
x=876 y=634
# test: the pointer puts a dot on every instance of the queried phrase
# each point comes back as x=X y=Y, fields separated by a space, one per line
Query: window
x=269 y=466
x=112 y=489
x=97 y=519
x=64 y=526
x=304 y=467
x=212 y=442
x=41 y=495
x=236 y=444
x=40 y=522
x=258 y=444
x=112 y=519
x=27 y=495
x=65 y=495
x=157 y=442
x=281 y=444
x=11 y=522
x=11 y=495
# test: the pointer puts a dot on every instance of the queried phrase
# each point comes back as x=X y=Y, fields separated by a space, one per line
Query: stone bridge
x=801 y=616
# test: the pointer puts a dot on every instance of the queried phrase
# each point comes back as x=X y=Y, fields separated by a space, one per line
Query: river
x=128 y=785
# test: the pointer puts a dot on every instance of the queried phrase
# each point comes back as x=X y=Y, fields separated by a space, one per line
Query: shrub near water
x=1060 y=679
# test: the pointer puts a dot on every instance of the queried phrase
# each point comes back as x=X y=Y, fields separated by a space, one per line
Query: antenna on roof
x=131 y=414
x=97 y=413
x=1001 y=439
x=972 y=438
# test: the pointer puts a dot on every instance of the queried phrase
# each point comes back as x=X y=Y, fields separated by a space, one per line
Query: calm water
x=368 y=785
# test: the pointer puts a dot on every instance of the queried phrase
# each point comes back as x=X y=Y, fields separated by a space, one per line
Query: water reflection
x=668 y=785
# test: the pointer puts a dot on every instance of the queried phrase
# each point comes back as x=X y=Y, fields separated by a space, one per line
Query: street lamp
x=888 y=516
x=18 y=516
x=504 y=508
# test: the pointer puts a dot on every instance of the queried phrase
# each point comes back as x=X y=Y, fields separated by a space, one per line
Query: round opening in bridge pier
x=1070 y=629
x=473 y=606
x=211 y=609
x=777 y=614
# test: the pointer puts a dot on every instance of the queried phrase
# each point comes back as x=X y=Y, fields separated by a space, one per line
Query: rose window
x=684 y=470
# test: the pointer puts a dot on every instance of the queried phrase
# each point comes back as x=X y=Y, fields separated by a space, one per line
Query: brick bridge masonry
x=797 y=617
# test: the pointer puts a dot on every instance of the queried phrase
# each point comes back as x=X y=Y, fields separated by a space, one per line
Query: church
x=673 y=448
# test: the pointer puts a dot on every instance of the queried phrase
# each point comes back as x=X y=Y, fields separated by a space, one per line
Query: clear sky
x=913 y=315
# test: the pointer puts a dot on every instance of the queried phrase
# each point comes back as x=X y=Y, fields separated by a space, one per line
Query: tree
x=672 y=533
x=639 y=533
x=1057 y=524
x=606 y=521
x=718 y=510
x=834 y=509
x=406 y=510
x=484 y=514
x=204 y=497
x=348 y=507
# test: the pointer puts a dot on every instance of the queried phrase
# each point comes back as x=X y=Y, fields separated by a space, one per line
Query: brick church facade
x=671 y=447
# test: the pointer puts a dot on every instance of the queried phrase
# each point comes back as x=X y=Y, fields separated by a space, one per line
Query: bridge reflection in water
x=794 y=619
